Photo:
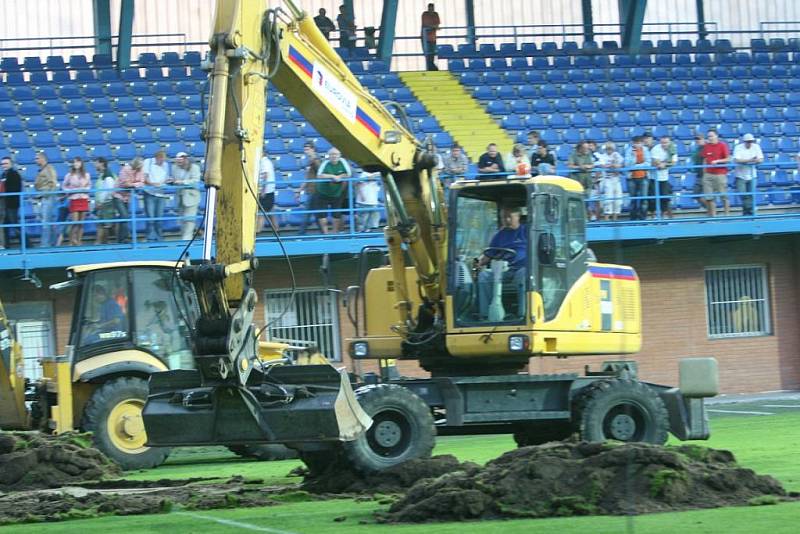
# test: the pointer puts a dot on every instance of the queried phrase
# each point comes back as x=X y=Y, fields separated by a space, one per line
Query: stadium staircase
x=461 y=115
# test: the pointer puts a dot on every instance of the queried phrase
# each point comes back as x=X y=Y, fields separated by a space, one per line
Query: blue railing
x=294 y=214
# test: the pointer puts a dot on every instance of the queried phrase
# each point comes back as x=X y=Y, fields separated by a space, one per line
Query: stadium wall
x=673 y=297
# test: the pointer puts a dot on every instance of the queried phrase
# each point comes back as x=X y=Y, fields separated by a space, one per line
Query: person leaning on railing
x=12 y=187
x=78 y=181
x=662 y=156
x=186 y=173
x=747 y=155
x=131 y=177
x=104 y=200
x=715 y=178
x=47 y=182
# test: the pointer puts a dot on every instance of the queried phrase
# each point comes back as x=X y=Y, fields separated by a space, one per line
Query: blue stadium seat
x=562 y=62
x=101 y=105
x=18 y=140
x=93 y=137
x=142 y=135
x=610 y=47
x=60 y=122
x=549 y=48
x=126 y=152
x=68 y=139
x=515 y=77
x=53 y=155
x=37 y=123
x=133 y=119
x=15 y=78
x=586 y=104
x=85 y=76
x=130 y=75
x=166 y=134
x=157 y=118
x=140 y=88
x=44 y=140
x=176 y=74
x=192 y=59
x=116 y=89
x=149 y=103
x=529 y=49
x=162 y=89
x=601 y=119
x=506 y=92
x=25 y=156
x=10 y=64
x=172 y=103
x=770 y=129
x=564 y=105
x=84 y=121
x=55 y=63
x=108 y=120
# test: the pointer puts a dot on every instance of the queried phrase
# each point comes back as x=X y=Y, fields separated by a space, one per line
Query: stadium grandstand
x=570 y=70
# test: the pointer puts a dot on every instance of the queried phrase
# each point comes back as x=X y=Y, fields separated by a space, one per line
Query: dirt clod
x=36 y=461
x=567 y=479
x=339 y=479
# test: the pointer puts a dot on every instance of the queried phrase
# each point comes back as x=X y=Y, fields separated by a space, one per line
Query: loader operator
x=107 y=317
x=513 y=236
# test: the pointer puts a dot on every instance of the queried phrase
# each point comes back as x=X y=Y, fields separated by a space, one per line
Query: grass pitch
x=767 y=444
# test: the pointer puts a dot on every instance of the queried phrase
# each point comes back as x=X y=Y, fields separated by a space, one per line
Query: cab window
x=104 y=316
x=161 y=327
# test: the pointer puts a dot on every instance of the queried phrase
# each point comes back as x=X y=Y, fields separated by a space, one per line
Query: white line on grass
x=740 y=411
x=781 y=405
x=238 y=524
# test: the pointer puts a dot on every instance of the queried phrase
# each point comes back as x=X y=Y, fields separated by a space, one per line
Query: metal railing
x=294 y=217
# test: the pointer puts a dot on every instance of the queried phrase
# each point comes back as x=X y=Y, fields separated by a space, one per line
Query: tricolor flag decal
x=612 y=273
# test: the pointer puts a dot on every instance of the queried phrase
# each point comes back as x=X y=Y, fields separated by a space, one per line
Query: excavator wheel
x=538 y=433
x=114 y=416
x=402 y=429
x=621 y=410
x=263 y=452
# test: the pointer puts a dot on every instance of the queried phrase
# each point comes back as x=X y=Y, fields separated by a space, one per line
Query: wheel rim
x=126 y=427
x=625 y=422
x=390 y=434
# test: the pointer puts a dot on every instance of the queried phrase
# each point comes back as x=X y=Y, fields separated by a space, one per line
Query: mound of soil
x=134 y=498
x=565 y=479
x=34 y=461
x=338 y=478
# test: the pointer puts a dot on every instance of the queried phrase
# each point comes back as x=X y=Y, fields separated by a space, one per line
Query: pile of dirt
x=134 y=498
x=565 y=479
x=29 y=460
x=338 y=478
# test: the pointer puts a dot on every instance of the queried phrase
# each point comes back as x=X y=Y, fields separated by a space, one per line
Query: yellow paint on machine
x=122 y=356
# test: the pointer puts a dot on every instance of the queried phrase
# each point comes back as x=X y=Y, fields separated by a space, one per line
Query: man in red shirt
x=430 y=23
x=715 y=179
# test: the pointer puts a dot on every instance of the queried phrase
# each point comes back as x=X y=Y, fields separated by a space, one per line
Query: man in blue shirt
x=514 y=236
x=106 y=320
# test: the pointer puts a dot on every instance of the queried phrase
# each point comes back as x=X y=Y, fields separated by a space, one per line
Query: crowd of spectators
x=644 y=164
x=331 y=190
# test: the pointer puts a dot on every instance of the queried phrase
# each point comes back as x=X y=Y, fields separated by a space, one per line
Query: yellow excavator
x=471 y=307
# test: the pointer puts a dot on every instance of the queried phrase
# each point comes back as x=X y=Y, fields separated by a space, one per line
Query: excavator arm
x=13 y=414
x=232 y=397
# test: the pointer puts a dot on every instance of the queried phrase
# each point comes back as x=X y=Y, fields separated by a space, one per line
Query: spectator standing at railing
x=518 y=162
x=309 y=186
x=156 y=173
x=266 y=192
x=609 y=159
x=47 y=182
x=581 y=162
x=332 y=194
x=104 y=200
x=747 y=155
x=131 y=177
x=367 y=190
x=715 y=178
x=533 y=143
x=347 y=28
x=662 y=156
x=490 y=161
x=455 y=164
x=2 y=209
x=430 y=23
x=637 y=158
x=324 y=24
x=78 y=180
x=186 y=173
x=542 y=161
x=12 y=187
x=697 y=160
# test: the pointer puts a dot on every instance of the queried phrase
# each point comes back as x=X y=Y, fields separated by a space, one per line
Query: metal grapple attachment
x=289 y=404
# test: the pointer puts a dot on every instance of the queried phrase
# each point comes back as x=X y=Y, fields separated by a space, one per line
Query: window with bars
x=737 y=301
x=312 y=317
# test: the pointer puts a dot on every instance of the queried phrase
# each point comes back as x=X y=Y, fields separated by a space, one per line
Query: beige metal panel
x=744 y=15
x=44 y=18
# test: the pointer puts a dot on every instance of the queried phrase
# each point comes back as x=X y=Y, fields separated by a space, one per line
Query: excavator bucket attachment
x=289 y=404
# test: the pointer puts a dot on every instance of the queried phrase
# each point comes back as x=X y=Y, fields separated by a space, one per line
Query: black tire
x=402 y=429
x=622 y=410
x=120 y=393
x=263 y=452
x=318 y=462
x=538 y=433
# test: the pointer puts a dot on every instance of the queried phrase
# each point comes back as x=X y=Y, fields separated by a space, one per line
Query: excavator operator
x=510 y=244
x=107 y=317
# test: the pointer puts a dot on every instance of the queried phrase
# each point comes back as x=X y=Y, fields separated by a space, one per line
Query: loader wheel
x=538 y=433
x=114 y=416
x=263 y=452
x=402 y=429
x=622 y=410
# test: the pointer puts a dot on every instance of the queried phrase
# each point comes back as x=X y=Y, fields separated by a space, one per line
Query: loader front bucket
x=289 y=404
